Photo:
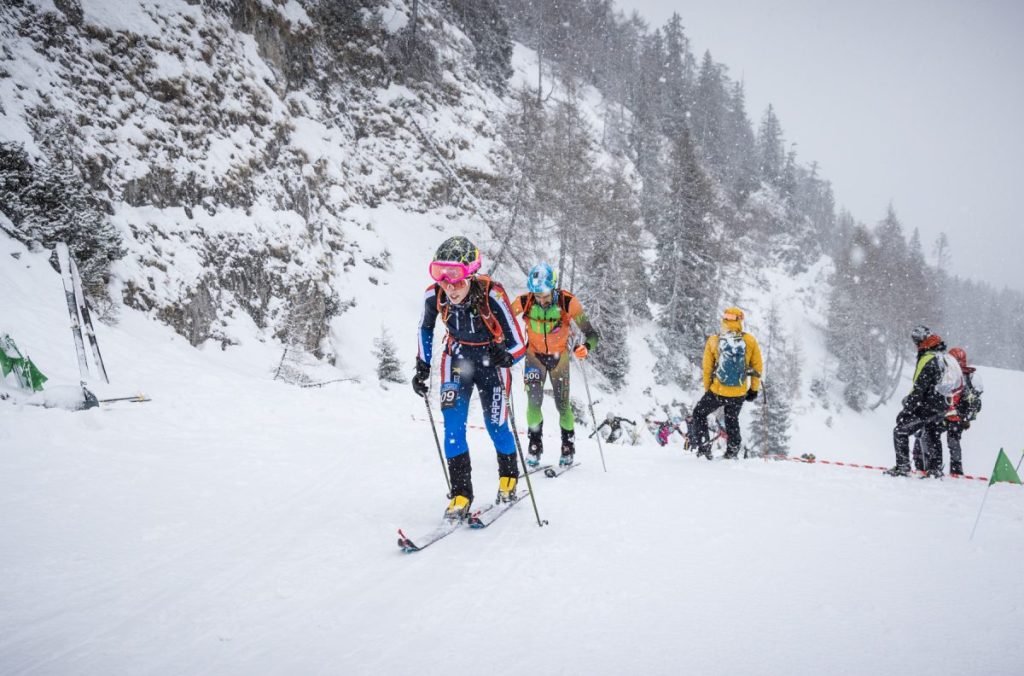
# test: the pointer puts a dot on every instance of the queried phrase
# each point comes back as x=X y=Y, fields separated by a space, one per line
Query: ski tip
x=405 y=543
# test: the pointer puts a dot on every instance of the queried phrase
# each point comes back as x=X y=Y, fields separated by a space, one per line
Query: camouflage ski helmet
x=542 y=279
x=457 y=250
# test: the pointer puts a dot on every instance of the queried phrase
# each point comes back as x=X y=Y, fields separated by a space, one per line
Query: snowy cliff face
x=240 y=144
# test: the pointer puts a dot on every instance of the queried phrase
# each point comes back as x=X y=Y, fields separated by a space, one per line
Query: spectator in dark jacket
x=923 y=409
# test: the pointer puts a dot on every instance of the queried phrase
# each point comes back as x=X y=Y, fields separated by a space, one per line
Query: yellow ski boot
x=458 y=508
x=507 y=489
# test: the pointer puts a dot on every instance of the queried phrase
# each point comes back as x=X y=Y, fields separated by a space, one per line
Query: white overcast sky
x=916 y=101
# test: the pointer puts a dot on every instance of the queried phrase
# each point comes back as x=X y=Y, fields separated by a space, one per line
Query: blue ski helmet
x=542 y=279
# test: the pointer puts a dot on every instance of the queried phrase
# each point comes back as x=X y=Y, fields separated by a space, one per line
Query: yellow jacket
x=752 y=358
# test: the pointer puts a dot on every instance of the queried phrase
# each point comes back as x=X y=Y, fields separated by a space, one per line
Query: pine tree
x=612 y=280
x=389 y=367
x=771 y=154
x=740 y=174
x=771 y=423
x=678 y=75
x=710 y=112
x=685 y=272
x=646 y=103
x=849 y=323
x=772 y=413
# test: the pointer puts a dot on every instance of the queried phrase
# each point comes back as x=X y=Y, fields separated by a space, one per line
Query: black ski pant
x=954 y=430
x=929 y=424
x=707 y=405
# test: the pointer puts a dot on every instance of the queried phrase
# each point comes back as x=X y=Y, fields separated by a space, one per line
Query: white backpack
x=951 y=378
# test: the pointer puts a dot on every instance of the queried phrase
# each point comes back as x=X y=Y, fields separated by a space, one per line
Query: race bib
x=449 y=395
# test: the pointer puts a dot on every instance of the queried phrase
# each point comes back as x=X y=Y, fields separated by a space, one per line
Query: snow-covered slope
x=235 y=525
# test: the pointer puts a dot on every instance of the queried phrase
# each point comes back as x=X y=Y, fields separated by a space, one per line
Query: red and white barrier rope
x=815 y=461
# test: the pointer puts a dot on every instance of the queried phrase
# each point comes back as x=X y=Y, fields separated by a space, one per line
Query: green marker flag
x=1004 y=471
x=29 y=376
x=6 y=363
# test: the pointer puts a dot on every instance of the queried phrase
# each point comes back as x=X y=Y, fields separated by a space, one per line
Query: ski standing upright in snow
x=83 y=309
x=64 y=259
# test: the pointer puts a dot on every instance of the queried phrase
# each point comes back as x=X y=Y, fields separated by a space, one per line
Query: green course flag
x=29 y=376
x=32 y=375
x=6 y=363
x=1004 y=471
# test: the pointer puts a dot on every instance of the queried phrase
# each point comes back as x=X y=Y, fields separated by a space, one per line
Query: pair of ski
x=81 y=318
x=910 y=473
x=481 y=518
x=552 y=471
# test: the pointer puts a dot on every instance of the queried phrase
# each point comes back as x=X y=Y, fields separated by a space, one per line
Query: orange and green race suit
x=547 y=351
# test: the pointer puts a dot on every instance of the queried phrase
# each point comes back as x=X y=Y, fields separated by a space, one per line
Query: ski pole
x=519 y=448
x=437 y=442
x=978 y=518
x=137 y=398
x=590 y=402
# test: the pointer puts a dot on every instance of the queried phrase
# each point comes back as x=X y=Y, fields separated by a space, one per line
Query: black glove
x=419 y=381
x=500 y=357
x=751 y=395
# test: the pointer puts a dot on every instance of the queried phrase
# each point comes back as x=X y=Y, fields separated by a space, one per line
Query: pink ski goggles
x=452 y=272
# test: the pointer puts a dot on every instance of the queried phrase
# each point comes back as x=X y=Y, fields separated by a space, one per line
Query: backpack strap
x=564 y=299
x=526 y=302
x=479 y=292
x=482 y=285
x=442 y=308
x=921 y=363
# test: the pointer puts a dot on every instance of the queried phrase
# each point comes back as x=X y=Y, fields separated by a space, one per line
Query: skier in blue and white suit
x=483 y=341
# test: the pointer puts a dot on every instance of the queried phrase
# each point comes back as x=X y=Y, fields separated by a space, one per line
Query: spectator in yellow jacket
x=732 y=375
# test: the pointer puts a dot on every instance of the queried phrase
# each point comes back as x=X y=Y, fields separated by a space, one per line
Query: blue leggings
x=458 y=375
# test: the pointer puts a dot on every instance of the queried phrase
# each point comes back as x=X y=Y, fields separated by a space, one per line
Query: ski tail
x=83 y=309
x=490 y=514
x=64 y=259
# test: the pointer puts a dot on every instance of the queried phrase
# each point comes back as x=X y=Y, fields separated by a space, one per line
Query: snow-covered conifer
x=389 y=366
